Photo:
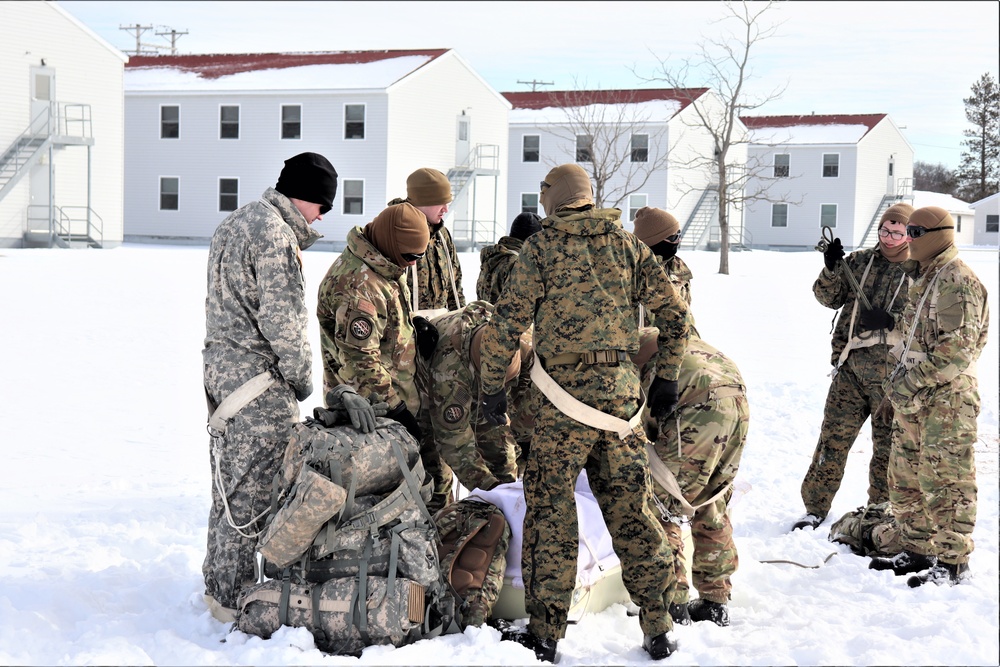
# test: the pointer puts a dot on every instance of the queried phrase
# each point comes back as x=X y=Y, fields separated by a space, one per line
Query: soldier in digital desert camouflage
x=578 y=282
x=256 y=326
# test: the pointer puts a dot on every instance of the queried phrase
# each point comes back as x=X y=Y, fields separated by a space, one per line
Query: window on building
x=640 y=147
x=958 y=223
x=229 y=122
x=463 y=128
x=169 y=193
x=781 y=164
x=354 y=197
x=229 y=194
x=828 y=215
x=635 y=202
x=584 y=144
x=779 y=215
x=354 y=121
x=529 y=202
x=831 y=165
x=530 y=148
x=170 y=122
x=291 y=121
x=992 y=223
x=890 y=168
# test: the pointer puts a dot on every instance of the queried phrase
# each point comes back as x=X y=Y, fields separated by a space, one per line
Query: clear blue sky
x=915 y=60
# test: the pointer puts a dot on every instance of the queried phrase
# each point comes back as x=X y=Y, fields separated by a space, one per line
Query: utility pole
x=174 y=35
x=139 y=29
x=534 y=84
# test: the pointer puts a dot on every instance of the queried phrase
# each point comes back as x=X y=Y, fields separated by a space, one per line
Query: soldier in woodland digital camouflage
x=367 y=336
x=934 y=395
x=496 y=261
x=578 y=282
x=861 y=340
x=256 y=324
x=662 y=233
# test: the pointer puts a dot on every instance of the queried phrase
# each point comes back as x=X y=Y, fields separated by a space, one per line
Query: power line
x=535 y=83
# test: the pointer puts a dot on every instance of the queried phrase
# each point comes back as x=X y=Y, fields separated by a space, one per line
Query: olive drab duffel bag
x=868 y=531
x=369 y=574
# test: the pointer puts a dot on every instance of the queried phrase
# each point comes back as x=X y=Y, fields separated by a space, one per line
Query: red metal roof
x=576 y=98
x=214 y=65
x=869 y=120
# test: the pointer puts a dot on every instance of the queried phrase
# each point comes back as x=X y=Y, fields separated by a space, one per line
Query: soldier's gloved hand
x=663 y=397
x=304 y=392
x=403 y=415
x=876 y=318
x=834 y=253
x=494 y=407
x=427 y=336
x=358 y=408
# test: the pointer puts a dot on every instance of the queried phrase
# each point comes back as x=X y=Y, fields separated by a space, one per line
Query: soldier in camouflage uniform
x=366 y=334
x=480 y=454
x=577 y=281
x=935 y=398
x=256 y=322
x=495 y=261
x=861 y=340
x=662 y=233
x=436 y=279
x=701 y=443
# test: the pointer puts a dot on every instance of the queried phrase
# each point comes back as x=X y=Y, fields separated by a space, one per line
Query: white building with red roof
x=206 y=134
x=840 y=171
x=650 y=142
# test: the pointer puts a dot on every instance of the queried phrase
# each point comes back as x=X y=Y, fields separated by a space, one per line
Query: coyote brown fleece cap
x=309 y=177
x=428 y=187
x=397 y=230
x=566 y=186
x=653 y=225
x=933 y=244
x=895 y=213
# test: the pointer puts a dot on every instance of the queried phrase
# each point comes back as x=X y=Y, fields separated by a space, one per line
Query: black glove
x=401 y=414
x=876 y=318
x=427 y=336
x=494 y=407
x=834 y=253
x=662 y=397
x=302 y=393
x=358 y=408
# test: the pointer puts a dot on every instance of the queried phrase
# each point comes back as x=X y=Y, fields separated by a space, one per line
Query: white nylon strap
x=237 y=400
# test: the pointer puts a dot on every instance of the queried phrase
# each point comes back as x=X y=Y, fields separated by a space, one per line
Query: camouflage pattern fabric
x=868 y=531
x=434 y=274
x=255 y=321
x=856 y=389
x=366 y=334
x=480 y=455
x=932 y=472
x=495 y=263
x=702 y=443
x=578 y=281
x=680 y=277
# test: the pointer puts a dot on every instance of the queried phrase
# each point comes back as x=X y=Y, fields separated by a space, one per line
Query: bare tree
x=934 y=178
x=723 y=65
x=618 y=140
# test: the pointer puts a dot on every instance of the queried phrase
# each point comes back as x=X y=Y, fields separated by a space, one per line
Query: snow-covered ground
x=105 y=488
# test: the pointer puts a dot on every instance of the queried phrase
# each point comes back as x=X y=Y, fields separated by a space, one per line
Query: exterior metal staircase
x=483 y=160
x=55 y=127
x=904 y=192
x=701 y=218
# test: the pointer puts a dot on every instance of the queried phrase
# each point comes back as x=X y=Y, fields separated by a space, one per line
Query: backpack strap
x=236 y=401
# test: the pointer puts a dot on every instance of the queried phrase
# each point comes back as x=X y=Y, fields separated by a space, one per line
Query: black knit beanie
x=525 y=224
x=309 y=177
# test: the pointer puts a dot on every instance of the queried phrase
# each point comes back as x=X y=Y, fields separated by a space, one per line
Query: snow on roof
x=984 y=200
x=922 y=198
x=551 y=106
x=330 y=70
x=811 y=129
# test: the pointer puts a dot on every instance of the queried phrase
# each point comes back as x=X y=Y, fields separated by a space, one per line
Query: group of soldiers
x=580 y=353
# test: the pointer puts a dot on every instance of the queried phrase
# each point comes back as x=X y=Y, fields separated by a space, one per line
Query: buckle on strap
x=604 y=357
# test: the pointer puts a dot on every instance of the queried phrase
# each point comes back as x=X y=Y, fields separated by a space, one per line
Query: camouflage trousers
x=932 y=472
x=437 y=470
x=249 y=456
x=702 y=446
x=619 y=478
x=854 y=395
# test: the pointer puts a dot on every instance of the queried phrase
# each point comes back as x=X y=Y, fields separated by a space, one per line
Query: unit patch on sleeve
x=361 y=328
x=453 y=413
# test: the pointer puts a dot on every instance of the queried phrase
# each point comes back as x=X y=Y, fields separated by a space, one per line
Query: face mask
x=665 y=250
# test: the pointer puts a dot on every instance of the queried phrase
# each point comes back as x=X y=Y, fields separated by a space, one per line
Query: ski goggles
x=916 y=231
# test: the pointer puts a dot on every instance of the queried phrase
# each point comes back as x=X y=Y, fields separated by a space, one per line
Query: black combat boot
x=545 y=649
x=941 y=573
x=679 y=612
x=905 y=562
x=706 y=610
x=660 y=646
x=808 y=521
